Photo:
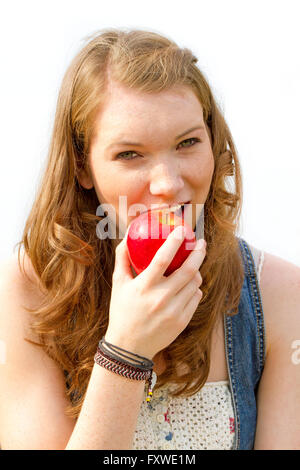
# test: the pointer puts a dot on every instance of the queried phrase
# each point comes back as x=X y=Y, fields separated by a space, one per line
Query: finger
x=187 y=292
x=164 y=255
x=184 y=274
x=191 y=306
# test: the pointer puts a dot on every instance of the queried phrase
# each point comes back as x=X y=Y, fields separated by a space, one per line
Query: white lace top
x=202 y=421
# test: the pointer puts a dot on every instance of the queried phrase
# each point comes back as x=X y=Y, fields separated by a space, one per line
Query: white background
x=248 y=51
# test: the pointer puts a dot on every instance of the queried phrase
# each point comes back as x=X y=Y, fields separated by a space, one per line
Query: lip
x=164 y=206
x=175 y=206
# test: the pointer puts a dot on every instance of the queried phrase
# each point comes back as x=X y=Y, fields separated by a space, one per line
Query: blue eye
x=121 y=156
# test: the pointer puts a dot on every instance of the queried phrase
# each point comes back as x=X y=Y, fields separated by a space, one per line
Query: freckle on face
x=162 y=173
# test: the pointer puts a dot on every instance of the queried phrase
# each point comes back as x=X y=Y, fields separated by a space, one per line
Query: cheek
x=210 y=167
x=112 y=188
x=203 y=170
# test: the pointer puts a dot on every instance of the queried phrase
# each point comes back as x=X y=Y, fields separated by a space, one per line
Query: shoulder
x=278 y=402
x=19 y=289
x=20 y=292
x=280 y=291
x=33 y=392
x=23 y=276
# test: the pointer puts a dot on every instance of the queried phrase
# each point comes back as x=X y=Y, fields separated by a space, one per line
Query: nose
x=166 y=180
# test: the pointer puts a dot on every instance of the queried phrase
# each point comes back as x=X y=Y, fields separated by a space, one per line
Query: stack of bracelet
x=112 y=358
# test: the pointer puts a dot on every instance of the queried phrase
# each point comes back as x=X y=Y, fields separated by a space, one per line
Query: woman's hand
x=148 y=312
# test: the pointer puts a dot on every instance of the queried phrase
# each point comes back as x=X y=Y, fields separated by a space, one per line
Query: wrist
x=126 y=363
x=128 y=344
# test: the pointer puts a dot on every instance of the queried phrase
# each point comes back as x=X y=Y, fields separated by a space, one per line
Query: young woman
x=136 y=118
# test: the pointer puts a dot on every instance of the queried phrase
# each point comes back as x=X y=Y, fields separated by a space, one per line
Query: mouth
x=176 y=208
x=172 y=207
x=180 y=208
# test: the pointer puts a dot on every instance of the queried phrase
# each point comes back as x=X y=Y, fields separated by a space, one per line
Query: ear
x=85 y=179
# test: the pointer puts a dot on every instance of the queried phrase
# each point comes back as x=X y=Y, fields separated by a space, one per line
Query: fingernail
x=201 y=244
x=179 y=232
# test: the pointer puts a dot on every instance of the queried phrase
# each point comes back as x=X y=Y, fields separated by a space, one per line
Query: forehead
x=125 y=108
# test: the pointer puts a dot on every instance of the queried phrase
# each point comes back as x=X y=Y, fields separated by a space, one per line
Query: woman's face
x=166 y=158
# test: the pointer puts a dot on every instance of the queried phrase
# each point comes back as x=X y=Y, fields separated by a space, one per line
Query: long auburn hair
x=73 y=265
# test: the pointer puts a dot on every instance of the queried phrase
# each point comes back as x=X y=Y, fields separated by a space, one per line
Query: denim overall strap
x=245 y=352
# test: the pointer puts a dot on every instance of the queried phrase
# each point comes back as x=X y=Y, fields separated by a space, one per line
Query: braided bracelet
x=115 y=352
x=125 y=369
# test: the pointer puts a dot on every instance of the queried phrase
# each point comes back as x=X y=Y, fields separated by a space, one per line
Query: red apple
x=148 y=232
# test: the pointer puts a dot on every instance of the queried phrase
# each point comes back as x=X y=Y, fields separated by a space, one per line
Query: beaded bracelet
x=125 y=368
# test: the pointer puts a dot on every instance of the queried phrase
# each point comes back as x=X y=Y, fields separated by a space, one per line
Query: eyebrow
x=137 y=144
